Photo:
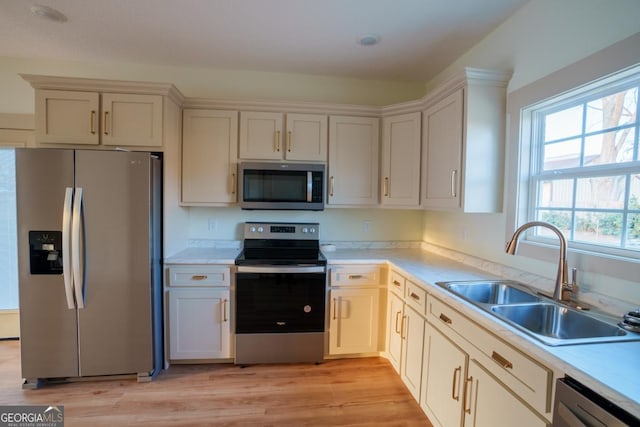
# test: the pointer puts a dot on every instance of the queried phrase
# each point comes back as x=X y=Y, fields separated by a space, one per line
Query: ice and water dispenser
x=45 y=252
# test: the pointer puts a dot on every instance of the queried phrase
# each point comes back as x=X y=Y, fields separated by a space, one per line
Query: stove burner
x=281 y=244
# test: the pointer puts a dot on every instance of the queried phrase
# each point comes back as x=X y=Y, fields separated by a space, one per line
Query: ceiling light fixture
x=369 y=40
x=49 y=13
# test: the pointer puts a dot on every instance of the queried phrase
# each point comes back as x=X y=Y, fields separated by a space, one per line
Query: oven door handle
x=281 y=269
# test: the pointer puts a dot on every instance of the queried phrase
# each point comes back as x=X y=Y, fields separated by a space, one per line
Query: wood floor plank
x=342 y=392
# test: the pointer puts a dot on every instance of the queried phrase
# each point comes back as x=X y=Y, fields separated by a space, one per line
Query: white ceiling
x=419 y=38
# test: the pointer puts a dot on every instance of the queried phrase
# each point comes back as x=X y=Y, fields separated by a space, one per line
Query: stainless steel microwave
x=286 y=186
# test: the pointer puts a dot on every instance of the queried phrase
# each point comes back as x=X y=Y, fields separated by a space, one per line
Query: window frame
x=615 y=83
x=600 y=68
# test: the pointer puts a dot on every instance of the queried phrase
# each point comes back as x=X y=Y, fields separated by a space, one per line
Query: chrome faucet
x=562 y=289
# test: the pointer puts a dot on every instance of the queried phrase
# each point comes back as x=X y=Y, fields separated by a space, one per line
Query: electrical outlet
x=366 y=226
x=212 y=225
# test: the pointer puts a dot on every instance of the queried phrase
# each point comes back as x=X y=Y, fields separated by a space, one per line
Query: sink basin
x=491 y=292
x=555 y=324
x=542 y=318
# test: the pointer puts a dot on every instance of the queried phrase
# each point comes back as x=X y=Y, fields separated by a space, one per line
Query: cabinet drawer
x=525 y=376
x=354 y=275
x=200 y=276
x=416 y=297
x=397 y=283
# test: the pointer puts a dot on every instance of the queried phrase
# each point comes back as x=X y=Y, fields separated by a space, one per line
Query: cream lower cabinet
x=199 y=310
x=471 y=378
x=353 y=309
x=199 y=324
x=353 y=325
x=489 y=404
x=395 y=318
x=412 y=348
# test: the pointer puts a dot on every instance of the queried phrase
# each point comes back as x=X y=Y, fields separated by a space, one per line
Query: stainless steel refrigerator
x=89 y=242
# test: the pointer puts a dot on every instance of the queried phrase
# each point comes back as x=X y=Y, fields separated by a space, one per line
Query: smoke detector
x=48 y=13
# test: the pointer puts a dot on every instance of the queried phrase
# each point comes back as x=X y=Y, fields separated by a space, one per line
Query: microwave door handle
x=309 y=186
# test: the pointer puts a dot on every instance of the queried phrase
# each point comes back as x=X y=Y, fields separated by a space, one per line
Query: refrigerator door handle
x=77 y=261
x=66 y=248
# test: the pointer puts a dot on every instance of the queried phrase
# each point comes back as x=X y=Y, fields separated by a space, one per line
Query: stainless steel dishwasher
x=579 y=406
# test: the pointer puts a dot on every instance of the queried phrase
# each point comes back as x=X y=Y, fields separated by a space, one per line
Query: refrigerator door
x=48 y=328
x=115 y=324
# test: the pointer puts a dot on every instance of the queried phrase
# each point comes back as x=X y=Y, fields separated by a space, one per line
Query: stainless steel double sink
x=541 y=317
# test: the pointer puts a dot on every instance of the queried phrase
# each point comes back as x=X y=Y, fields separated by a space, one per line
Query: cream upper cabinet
x=306 y=137
x=67 y=117
x=353 y=161
x=93 y=118
x=131 y=120
x=463 y=131
x=442 y=125
x=261 y=136
x=209 y=157
x=400 y=176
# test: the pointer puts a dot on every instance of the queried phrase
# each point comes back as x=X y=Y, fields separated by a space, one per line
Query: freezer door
x=115 y=325
x=48 y=328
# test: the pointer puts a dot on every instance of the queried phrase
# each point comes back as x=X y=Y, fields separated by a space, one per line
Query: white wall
x=18 y=97
x=335 y=224
x=543 y=37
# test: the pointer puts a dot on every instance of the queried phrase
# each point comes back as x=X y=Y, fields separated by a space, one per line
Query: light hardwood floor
x=345 y=392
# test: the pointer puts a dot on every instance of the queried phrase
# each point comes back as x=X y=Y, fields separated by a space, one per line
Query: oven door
x=280 y=299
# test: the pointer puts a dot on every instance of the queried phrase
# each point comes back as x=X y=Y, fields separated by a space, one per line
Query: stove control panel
x=281 y=230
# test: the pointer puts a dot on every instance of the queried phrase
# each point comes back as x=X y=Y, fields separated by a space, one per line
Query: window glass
x=585 y=174
x=8 y=239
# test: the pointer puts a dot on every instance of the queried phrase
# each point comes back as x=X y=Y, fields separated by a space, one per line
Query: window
x=584 y=172
x=8 y=238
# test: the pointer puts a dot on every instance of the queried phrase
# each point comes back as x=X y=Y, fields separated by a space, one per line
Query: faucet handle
x=574 y=280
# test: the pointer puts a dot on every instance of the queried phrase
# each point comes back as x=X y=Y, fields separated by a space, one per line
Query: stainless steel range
x=280 y=294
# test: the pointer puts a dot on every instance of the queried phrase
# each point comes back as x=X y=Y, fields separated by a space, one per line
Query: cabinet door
x=199 y=324
x=353 y=160
x=209 y=156
x=412 y=347
x=442 y=152
x=261 y=135
x=400 y=185
x=395 y=313
x=131 y=120
x=489 y=404
x=306 y=137
x=67 y=117
x=353 y=327
x=442 y=385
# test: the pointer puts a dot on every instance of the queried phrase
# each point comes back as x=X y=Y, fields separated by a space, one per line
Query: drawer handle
x=445 y=319
x=224 y=310
x=92 y=122
x=404 y=318
x=396 y=283
x=415 y=296
x=198 y=277
x=335 y=308
x=456 y=373
x=355 y=276
x=105 y=126
x=501 y=360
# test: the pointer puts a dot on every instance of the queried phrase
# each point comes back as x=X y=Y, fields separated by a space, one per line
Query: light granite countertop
x=611 y=369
